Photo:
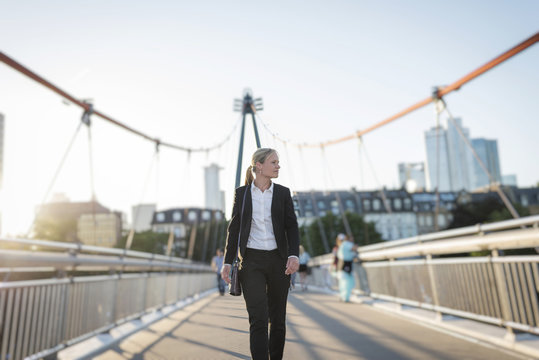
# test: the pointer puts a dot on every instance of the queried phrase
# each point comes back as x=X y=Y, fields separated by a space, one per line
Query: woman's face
x=270 y=167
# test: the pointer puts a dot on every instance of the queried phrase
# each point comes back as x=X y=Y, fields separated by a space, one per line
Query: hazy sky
x=324 y=68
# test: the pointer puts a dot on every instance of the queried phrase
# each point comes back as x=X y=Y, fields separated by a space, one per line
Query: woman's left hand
x=292 y=265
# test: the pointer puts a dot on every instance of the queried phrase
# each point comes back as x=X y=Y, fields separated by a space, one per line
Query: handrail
x=92 y=249
x=14 y=258
x=468 y=230
x=514 y=239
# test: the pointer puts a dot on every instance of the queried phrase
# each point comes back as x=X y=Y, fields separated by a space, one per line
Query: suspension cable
x=316 y=211
x=438 y=165
x=493 y=182
x=441 y=92
x=55 y=177
x=337 y=196
x=131 y=235
x=24 y=70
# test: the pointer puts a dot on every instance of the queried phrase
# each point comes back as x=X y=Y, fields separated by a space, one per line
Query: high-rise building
x=510 y=180
x=141 y=217
x=453 y=171
x=214 y=197
x=487 y=150
x=412 y=176
x=438 y=171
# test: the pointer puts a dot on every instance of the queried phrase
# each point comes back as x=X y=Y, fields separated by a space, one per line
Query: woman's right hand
x=225 y=273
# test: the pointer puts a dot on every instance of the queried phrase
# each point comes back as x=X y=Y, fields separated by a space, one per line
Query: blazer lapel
x=274 y=210
x=248 y=212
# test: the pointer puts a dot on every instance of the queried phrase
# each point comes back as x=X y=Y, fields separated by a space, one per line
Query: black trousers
x=265 y=290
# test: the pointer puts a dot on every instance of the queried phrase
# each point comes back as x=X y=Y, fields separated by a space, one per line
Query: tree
x=364 y=233
x=486 y=211
x=55 y=229
x=147 y=241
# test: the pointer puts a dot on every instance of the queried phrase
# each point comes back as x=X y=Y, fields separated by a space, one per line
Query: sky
x=324 y=69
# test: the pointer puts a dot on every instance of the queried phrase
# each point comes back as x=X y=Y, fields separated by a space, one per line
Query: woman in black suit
x=268 y=251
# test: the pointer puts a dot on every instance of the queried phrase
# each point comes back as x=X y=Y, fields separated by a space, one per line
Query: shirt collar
x=254 y=188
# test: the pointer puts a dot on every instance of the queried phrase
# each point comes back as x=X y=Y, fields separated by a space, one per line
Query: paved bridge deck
x=319 y=326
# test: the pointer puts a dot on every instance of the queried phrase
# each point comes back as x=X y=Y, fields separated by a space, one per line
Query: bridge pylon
x=247 y=105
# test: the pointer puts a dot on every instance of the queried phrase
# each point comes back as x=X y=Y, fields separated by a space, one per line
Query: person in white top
x=268 y=251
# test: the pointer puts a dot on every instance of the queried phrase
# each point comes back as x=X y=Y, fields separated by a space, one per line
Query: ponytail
x=260 y=155
x=249 y=178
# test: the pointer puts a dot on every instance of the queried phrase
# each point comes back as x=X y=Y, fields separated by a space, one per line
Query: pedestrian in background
x=346 y=253
x=217 y=266
x=304 y=258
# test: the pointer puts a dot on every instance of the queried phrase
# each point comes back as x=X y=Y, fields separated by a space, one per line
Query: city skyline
x=173 y=71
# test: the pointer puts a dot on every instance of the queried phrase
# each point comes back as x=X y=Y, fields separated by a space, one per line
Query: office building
x=183 y=223
x=214 y=197
x=64 y=213
x=449 y=160
x=100 y=229
x=487 y=151
x=412 y=176
x=393 y=217
x=509 y=180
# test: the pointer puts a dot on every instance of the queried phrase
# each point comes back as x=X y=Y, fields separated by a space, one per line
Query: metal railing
x=496 y=289
x=43 y=316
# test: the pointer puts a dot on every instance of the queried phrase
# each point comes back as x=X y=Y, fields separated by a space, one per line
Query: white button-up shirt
x=261 y=236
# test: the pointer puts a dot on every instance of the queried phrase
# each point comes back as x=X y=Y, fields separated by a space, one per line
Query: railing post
x=433 y=287
x=503 y=294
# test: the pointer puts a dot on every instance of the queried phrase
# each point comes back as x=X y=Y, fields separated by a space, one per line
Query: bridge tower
x=247 y=105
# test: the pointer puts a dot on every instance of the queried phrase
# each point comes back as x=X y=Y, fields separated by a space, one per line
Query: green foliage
x=147 y=241
x=55 y=229
x=364 y=233
x=207 y=237
x=486 y=211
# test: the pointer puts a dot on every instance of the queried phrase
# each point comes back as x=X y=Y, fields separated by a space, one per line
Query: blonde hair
x=260 y=155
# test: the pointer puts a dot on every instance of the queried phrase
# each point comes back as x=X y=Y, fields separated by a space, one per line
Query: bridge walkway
x=319 y=327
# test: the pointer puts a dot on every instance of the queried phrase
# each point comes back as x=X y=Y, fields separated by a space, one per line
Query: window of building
x=524 y=200
x=321 y=204
x=335 y=207
x=349 y=204
x=376 y=204
x=176 y=216
x=206 y=215
x=420 y=220
x=178 y=233
x=428 y=220
x=192 y=215
x=407 y=204
x=309 y=213
x=397 y=204
x=160 y=217
x=441 y=220
x=366 y=205
x=217 y=216
x=308 y=204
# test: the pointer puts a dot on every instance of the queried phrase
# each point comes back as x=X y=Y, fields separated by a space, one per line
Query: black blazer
x=283 y=217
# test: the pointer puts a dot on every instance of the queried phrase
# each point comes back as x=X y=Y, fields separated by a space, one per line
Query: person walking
x=346 y=254
x=268 y=252
x=304 y=258
x=217 y=266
